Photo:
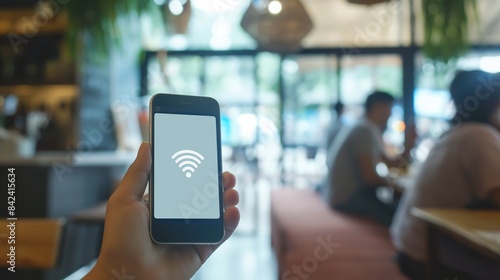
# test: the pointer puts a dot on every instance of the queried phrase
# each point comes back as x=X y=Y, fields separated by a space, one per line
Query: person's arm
x=371 y=178
x=368 y=172
x=400 y=161
x=127 y=251
x=365 y=147
x=405 y=157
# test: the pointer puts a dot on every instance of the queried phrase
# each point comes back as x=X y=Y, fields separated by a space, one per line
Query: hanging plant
x=100 y=19
x=446 y=28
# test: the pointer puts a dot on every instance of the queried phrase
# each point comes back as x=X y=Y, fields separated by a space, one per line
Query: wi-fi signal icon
x=188 y=161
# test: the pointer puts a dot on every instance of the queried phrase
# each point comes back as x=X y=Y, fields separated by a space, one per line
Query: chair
x=37 y=242
x=91 y=223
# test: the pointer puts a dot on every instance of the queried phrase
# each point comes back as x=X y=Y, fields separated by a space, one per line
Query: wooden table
x=479 y=230
x=62 y=185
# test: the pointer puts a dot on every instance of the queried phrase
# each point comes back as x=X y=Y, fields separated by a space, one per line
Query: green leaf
x=100 y=19
x=446 y=28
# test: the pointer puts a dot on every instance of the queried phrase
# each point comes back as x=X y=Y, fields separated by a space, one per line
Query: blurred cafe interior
x=76 y=79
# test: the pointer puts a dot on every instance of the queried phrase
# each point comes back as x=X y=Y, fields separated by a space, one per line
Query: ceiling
x=339 y=23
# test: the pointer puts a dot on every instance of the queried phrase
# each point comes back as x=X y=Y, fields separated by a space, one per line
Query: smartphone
x=186 y=192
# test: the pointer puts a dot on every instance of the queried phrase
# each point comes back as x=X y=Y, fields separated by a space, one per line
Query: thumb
x=135 y=180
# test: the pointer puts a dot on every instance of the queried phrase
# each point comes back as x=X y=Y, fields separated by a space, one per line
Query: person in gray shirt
x=352 y=159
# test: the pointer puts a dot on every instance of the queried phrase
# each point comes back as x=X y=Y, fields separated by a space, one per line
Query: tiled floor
x=247 y=255
x=242 y=258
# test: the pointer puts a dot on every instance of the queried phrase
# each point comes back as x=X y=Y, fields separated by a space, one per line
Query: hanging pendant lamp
x=277 y=26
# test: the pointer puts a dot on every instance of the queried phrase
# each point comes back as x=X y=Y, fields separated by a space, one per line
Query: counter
x=71 y=159
x=59 y=184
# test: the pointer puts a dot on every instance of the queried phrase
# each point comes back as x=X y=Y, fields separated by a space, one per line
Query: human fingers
x=228 y=180
x=231 y=198
x=135 y=180
x=231 y=220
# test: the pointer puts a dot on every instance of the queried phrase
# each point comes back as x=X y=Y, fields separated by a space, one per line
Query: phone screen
x=186 y=180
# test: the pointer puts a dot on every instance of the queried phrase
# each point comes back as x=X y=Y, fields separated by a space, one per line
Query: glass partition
x=309 y=89
x=279 y=127
x=433 y=106
x=363 y=74
x=181 y=75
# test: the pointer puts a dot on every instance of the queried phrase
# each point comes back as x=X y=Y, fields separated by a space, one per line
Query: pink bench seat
x=313 y=242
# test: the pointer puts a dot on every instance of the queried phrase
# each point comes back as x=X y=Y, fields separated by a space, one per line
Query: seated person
x=353 y=156
x=461 y=171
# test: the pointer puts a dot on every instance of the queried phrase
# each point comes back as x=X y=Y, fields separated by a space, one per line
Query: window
x=363 y=74
x=310 y=87
x=433 y=105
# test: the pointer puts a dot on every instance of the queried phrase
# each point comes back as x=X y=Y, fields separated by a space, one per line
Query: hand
x=127 y=250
